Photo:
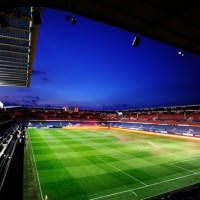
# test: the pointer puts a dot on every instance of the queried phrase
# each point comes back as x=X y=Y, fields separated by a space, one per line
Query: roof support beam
x=13 y=73
x=13 y=66
x=3 y=70
x=12 y=79
x=20 y=16
x=13 y=45
x=14 y=38
x=6 y=83
x=13 y=62
x=18 y=29
x=13 y=76
x=14 y=52
x=13 y=57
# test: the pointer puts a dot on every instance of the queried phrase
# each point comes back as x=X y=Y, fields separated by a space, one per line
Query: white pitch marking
x=36 y=169
x=182 y=168
x=167 y=181
x=184 y=160
x=113 y=194
x=134 y=193
x=122 y=171
x=131 y=190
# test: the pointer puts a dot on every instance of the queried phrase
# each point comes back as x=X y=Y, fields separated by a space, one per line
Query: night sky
x=94 y=66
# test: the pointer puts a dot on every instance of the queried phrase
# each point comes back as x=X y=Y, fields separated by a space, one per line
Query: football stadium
x=72 y=153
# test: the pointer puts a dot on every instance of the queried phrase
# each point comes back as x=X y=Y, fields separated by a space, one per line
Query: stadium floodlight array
x=69 y=17
x=181 y=53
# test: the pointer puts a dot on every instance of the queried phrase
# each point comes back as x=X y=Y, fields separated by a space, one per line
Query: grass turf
x=111 y=164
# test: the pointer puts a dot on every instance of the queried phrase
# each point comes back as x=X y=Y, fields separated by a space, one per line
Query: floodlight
x=181 y=53
x=73 y=21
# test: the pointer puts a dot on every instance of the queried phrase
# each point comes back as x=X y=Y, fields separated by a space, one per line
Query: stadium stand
x=11 y=159
x=182 y=116
x=10 y=135
x=180 y=121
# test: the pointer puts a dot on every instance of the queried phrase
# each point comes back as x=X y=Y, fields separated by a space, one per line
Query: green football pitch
x=107 y=164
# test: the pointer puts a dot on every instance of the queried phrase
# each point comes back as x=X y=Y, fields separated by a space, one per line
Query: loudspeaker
x=136 y=41
x=36 y=17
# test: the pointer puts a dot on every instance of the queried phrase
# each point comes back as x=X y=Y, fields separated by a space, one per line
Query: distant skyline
x=94 y=66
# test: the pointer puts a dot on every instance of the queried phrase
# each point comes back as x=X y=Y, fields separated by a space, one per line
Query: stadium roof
x=17 y=45
x=176 y=23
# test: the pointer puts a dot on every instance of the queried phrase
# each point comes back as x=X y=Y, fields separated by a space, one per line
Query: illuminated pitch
x=102 y=163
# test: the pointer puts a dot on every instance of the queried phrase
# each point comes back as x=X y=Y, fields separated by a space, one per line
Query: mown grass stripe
x=121 y=171
x=72 y=156
x=36 y=169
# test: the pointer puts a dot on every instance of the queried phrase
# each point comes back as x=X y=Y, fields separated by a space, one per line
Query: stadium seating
x=10 y=134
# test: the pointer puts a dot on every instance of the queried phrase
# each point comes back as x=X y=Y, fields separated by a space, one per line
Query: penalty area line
x=182 y=168
x=134 y=193
x=123 y=172
x=181 y=161
x=132 y=190
x=113 y=194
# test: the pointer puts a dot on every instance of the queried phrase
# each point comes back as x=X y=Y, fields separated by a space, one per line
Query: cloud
x=31 y=97
x=115 y=106
x=24 y=100
x=51 y=106
x=44 y=78
x=38 y=72
x=7 y=103
x=34 y=102
x=27 y=100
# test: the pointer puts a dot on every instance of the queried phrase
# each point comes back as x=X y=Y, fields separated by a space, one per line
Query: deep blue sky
x=94 y=66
